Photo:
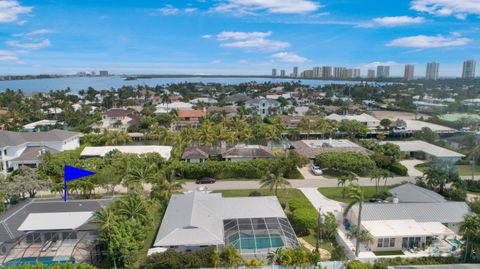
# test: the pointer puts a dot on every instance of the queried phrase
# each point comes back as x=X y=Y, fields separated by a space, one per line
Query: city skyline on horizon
x=235 y=37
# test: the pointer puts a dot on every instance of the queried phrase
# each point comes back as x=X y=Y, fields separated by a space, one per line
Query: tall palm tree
x=275 y=180
x=160 y=132
x=321 y=125
x=104 y=218
x=355 y=193
x=133 y=207
x=140 y=174
x=306 y=126
x=206 y=134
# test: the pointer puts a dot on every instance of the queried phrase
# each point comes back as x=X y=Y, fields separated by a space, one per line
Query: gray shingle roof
x=33 y=154
x=8 y=138
x=11 y=220
x=410 y=193
x=445 y=212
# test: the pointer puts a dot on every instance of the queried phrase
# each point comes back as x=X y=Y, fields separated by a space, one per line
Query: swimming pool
x=42 y=260
x=251 y=242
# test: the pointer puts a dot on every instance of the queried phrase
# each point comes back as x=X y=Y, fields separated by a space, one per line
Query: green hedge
x=295 y=204
x=355 y=162
x=398 y=169
x=303 y=220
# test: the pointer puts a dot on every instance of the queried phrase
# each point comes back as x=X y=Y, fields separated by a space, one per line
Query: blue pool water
x=250 y=242
x=42 y=260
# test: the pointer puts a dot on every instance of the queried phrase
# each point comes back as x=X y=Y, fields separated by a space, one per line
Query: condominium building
x=383 y=71
x=353 y=73
x=432 y=71
x=282 y=73
x=274 y=72
x=371 y=73
x=469 y=69
x=317 y=72
x=326 y=72
x=339 y=72
x=103 y=73
x=409 y=71
x=307 y=74
x=295 y=72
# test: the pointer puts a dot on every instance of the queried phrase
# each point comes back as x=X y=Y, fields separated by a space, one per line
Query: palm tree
x=160 y=132
x=231 y=257
x=470 y=231
x=206 y=133
x=275 y=180
x=104 y=218
x=166 y=185
x=321 y=125
x=474 y=154
x=140 y=174
x=377 y=175
x=355 y=193
x=306 y=126
x=133 y=207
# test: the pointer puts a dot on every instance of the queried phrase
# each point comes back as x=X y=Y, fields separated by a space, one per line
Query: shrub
x=398 y=169
x=255 y=194
x=356 y=264
x=298 y=203
x=456 y=194
x=472 y=185
x=475 y=206
x=304 y=219
x=171 y=259
x=355 y=162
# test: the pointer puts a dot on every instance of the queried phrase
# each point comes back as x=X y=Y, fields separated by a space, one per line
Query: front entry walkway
x=319 y=201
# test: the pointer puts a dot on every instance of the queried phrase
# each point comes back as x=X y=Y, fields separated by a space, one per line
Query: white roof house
x=411 y=193
x=370 y=121
x=55 y=221
x=166 y=108
x=411 y=147
x=197 y=219
x=164 y=151
x=32 y=125
x=405 y=228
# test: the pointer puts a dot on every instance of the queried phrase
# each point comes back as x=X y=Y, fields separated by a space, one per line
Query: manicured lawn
x=283 y=195
x=335 y=193
x=323 y=243
x=463 y=170
x=388 y=253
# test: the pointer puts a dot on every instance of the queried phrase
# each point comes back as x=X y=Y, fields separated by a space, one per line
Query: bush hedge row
x=303 y=216
x=355 y=162
x=398 y=169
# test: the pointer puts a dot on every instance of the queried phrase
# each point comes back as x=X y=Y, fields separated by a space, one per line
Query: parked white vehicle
x=315 y=170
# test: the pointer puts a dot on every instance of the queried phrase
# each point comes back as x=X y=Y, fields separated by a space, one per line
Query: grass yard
x=388 y=253
x=335 y=193
x=157 y=219
x=283 y=195
x=325 y=244
x=463 y=170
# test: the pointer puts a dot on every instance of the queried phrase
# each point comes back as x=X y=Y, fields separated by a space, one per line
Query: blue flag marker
x=72 y=173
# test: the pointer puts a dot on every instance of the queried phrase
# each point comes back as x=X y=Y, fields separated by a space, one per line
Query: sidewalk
x=320 y=201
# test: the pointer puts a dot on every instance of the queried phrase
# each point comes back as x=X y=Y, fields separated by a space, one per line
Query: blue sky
x=235 y=36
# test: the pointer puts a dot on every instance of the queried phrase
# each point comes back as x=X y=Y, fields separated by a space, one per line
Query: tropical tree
x=160 y=132
x=470 y=231
x=355 y=193
x=136 y=175
x=344 y=179
x=133 y=207
x=230 y=257
x=440 y=173
x=25 y=182
x=104 y=218
x=165 y=186
x=306 y=125
x=274 y=180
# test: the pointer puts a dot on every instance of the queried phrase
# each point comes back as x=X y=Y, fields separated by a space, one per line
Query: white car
x=315 y=170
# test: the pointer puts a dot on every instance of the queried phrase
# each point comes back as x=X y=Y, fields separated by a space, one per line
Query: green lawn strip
x=149 y=240
x=335 y=193
x=463 y=170
x=312 y=240
x=283 y=195
x=388 y=253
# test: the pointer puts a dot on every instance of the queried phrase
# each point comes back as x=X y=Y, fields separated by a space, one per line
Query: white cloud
x=289 y=57
x=29 y=46
x=169 y=10
x=458 y=8
x=8 y=55
x=11 y=9
x=207 y=36
x=242 y=35
x=377 y=63
x=392 y=21
x=36 y=33
x=423 y=41
x=270 y=6
x=250 y=41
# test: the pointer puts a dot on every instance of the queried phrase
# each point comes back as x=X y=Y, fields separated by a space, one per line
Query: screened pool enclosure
x=259 y=235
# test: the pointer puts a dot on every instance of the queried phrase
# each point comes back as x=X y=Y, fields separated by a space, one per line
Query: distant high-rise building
x=352 y=73
x=339 y=72
x=469 y=69
x=317 y=72
x=295 y=72
x=371 y=73
x=282 y=73
x=307 y=74
x=383 y=71
x=409 y=72
x=103 y=73
x=274 y=72
x=81 y=73
x=326 y=71
x=432 y=71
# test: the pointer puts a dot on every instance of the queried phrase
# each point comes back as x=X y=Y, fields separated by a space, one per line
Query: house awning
x=405 y=228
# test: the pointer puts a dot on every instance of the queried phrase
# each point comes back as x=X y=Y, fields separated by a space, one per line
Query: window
x=386 y=242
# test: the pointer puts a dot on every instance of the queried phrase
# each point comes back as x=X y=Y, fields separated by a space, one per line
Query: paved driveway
x=410 y=165
x=307 y=174
x=318 y=200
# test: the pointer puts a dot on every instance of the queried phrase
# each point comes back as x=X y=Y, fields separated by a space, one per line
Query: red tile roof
x=191 y=113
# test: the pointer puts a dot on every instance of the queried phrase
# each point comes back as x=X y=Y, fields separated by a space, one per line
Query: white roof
x=361 y=118
x=417 y=125
x=39 y=123
x=164 y=151
x=55 y=221
x=430 y=149
x=331 y=143
x=405 y=227
x=196 y=218
x=165 y=108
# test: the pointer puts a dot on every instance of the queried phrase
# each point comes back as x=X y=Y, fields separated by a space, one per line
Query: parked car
x=315 y=170
x=205 y=180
